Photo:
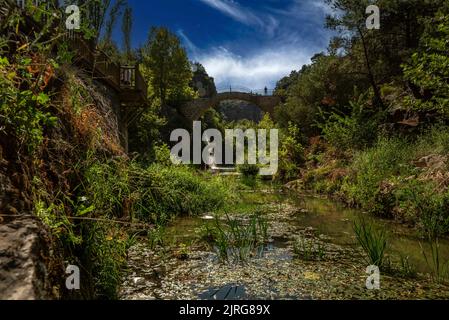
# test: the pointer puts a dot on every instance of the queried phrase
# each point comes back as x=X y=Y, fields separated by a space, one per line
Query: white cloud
x=255 y=71
x=291 y=36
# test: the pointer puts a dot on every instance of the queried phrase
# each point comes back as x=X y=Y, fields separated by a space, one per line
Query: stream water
x=186 y=267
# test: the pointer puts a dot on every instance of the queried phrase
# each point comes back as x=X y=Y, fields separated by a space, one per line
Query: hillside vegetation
x=373 y=112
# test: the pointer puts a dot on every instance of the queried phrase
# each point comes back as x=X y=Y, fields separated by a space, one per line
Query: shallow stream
x=186 y=267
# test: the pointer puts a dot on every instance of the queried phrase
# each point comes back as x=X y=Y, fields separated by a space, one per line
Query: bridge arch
x=195 y=109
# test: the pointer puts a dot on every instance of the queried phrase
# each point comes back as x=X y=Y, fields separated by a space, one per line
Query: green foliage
x=429 y=207
x=105 y=249
x=284 y=84
x=55 y=217
x=428 y=69
x=145 y=134
x=162 y=155
x=406 y=269
x=106 y=185
x=291 y=153
x=324 y=85
x=212 y=119
x=157 y=193
x=166 y=66
x=373 y=241
x=355 y=131
x=374 y=166
x=156 y=237
x=165 y=192
x=24 y=107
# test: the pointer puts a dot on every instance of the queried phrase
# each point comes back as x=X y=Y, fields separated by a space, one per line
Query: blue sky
x=251 y=43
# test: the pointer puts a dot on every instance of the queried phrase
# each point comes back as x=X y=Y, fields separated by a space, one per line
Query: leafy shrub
x=355 y=131
x=374 y=166
x=425 y=205
x=24 y=110
x=165 y=192
x=291 y=154
x=162 y=155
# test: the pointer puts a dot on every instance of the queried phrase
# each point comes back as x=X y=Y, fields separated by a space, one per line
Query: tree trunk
x=377 y=95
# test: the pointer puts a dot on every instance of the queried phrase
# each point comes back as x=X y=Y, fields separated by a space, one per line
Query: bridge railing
x=259 y=92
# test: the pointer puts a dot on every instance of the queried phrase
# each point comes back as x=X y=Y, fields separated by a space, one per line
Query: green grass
x=249 y=170
x=405 y=268
x=104 y=253
x=439 y=268
x=166 y=192
x=373 y=240
x=155 y=194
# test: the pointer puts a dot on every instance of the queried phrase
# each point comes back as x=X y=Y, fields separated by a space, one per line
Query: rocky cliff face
x=32 y=260
x=234 y=110
x=26 y=261
x=202 y=82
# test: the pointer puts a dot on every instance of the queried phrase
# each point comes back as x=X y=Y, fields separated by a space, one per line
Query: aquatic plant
x=156 y=236
x=439 y=268
x=308 y=250
x=236 y=239
x=372 y=239
x=406 y=268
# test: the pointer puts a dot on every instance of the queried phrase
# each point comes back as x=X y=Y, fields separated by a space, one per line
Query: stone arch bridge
x=195 y=109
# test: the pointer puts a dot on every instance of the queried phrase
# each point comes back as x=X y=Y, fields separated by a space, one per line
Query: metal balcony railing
x=131 y=80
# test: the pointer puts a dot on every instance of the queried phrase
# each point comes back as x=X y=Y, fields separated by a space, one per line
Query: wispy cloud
x=233 y=10
x=190 y=46
x=244 y=15
x=291 y=36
